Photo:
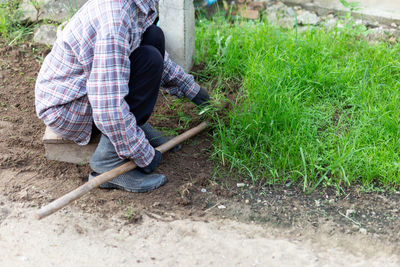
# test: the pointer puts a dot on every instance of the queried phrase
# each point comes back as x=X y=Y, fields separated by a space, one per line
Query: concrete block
x=177 y=21
x=382 y=11
x=60 y=149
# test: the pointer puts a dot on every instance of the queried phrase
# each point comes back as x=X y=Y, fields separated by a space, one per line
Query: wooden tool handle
x=107 y=176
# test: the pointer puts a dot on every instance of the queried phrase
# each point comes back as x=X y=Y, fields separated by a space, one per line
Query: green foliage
x=315 y=107
x=352 y=6
x=11 y=28
x=351 y=27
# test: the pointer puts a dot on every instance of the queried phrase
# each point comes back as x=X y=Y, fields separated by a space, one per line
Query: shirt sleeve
x=176 y=81
x=107 y=87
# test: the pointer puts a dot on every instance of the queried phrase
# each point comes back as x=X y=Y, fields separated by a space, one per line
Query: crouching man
x=103 y=74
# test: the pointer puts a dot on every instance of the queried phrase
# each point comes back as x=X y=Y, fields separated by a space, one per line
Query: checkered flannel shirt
x=84 y=79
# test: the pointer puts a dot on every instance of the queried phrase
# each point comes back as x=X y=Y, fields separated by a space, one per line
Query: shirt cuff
x=145 y=159
x=193 y=91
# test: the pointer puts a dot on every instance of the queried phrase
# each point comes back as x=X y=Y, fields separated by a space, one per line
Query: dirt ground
x=192 y=220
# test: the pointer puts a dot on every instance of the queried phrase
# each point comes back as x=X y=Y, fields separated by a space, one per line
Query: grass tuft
x=12 y=29
x=316 y=107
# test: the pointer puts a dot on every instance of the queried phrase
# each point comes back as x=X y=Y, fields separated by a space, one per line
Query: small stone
x=355 y=227
x=46 y=34
x=28 y=11
x=372 y=24
x=257 y=5
x=240 y=185
x=363 y=231
x=308 y=18
x=156 y=204
x=394 y=25
x=250 y=14
x=349 y=212
x=290 y=11
x=54 y=10
x=246 y=201
x=331 y=201
x=221 y=207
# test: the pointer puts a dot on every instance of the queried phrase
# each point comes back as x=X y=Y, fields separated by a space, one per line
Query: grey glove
x=153 y=164
x=202 y=98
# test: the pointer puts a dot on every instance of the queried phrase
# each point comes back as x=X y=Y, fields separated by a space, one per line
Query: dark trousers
x=147 y=65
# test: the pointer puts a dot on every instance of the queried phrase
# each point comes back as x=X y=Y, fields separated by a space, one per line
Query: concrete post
x=177 y=22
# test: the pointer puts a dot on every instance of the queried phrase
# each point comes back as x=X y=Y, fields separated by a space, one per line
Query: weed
x=129 y=214
x=316 y=107
x=11 y=28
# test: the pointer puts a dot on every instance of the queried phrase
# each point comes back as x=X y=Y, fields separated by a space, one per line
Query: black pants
x=147 y=65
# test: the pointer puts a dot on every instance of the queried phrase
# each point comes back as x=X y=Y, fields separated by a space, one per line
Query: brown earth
x=357 y=221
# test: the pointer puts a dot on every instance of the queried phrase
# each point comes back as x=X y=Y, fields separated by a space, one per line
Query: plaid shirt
x=84 y=79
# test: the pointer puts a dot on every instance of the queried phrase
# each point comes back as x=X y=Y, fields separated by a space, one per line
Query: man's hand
x=202 y=98
x=154 y=163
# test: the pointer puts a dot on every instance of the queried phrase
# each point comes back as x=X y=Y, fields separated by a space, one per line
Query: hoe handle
x=107 y=176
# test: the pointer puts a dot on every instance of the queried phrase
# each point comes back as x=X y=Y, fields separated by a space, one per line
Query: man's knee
x=154 y=36
x=149 y=57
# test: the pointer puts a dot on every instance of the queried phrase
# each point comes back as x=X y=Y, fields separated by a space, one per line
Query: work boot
x=105 y=158
x=157 y=138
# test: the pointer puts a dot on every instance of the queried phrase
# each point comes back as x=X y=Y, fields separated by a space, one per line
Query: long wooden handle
x=107 y=176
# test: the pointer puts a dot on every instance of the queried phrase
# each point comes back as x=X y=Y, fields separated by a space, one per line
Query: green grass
x=315 y=108
x=12 y=29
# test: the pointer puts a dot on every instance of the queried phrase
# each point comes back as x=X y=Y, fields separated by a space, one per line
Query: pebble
x=308 y=18
x=331 y=201
x=246 y=201
x=290 y=12
x=363 y=231
x=350 y=212
x=221 y=207
x=240 y=185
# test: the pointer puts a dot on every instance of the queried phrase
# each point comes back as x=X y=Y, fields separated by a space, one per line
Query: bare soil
x=362 y=226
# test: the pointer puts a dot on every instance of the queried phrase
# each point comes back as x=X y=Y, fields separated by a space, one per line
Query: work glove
x=202 y=98
x=153 y=164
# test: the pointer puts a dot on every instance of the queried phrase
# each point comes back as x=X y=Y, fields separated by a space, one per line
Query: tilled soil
x=361 y=223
